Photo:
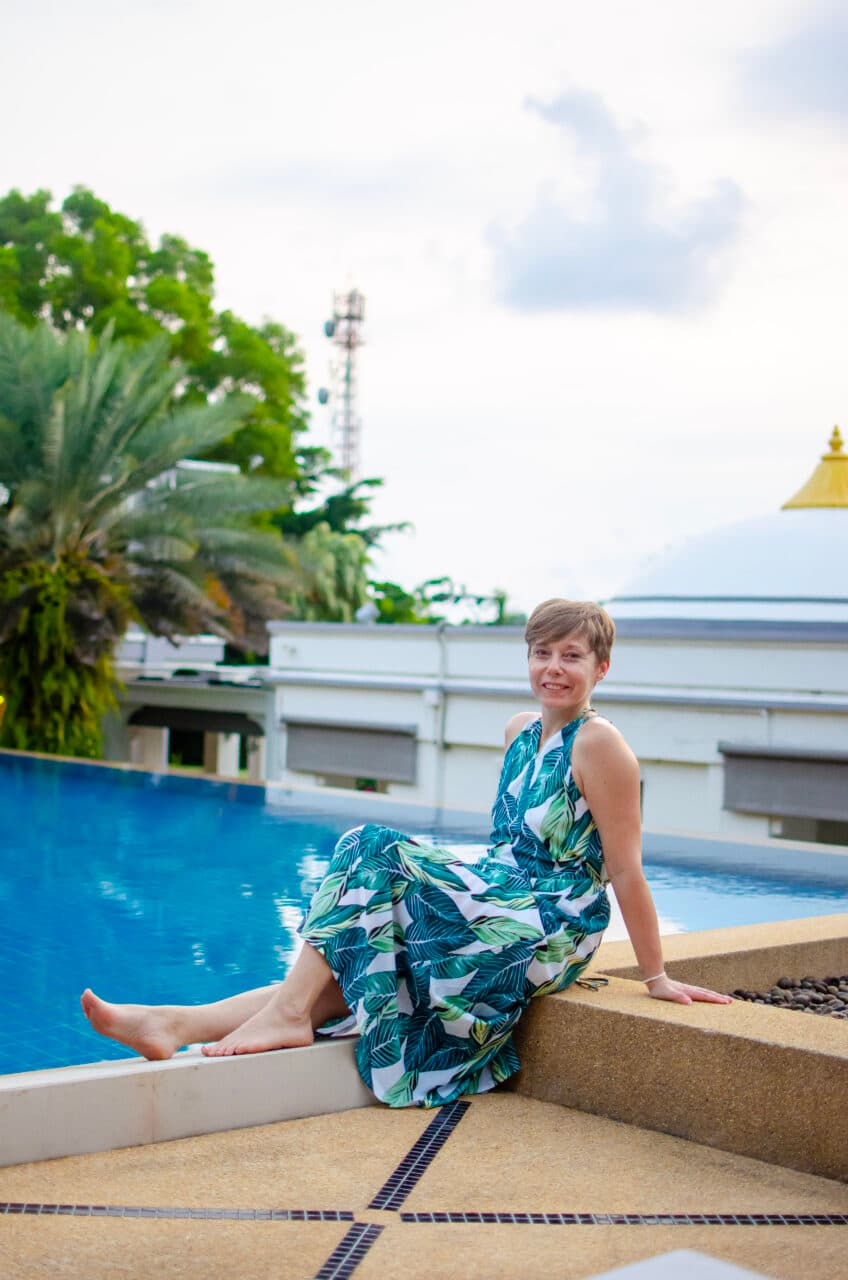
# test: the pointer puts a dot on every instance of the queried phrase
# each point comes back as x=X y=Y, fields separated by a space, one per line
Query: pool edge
x=101 y=1106
x=130 y=1102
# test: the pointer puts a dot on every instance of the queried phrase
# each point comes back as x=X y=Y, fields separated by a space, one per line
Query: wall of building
x=450 y=690
x=674 y=699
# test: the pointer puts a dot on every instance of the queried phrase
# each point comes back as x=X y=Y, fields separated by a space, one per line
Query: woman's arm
x=607 y=773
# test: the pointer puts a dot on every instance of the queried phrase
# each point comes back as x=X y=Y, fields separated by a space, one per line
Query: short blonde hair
x=554 y=619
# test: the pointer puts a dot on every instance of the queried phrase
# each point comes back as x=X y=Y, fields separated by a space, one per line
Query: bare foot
x=277 y=1026
x=149 y=1029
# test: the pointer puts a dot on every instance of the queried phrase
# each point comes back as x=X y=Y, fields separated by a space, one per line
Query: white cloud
x=307 y=145
x=631 y=250
x=805 y=71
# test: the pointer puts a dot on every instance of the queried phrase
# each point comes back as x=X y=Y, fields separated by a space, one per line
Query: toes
x=218 y=1050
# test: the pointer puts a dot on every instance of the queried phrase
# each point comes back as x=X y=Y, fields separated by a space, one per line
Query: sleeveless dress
x=437 y=956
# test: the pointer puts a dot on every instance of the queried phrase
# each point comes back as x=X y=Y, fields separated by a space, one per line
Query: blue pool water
x=171 y=890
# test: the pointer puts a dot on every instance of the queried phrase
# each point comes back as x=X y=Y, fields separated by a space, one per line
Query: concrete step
x=751 y=1079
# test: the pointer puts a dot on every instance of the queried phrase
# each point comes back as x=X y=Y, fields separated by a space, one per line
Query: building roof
x=790 y=566
x=828 y=485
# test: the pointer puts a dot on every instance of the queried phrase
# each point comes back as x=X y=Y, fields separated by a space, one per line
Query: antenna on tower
x=344 y=331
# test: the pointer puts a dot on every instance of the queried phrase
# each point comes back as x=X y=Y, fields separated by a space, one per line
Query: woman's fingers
x=683 y=993
x=710 y=997
x=680 y=997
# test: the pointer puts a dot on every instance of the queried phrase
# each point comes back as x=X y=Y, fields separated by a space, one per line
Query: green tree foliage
x=343 y=512
x=396 y=604
x=99 y=524
x=426 y=603
x=85 y=264
x=55 y=668
x=335 y=582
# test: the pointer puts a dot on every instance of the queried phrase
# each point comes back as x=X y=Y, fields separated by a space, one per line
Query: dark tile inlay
x=349 y=1252
x=145 y=1211
x=639 y=1219
x=393 y=1192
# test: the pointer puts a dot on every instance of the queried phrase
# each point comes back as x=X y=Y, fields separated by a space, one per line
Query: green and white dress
x=437 y=956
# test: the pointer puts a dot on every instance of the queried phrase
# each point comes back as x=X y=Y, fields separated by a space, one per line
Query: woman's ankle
x=293 y=1006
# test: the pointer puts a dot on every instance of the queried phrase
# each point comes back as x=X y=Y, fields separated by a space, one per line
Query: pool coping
x=130 y=1102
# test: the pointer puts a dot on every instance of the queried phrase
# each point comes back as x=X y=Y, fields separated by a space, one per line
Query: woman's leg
x=156 y=1031
x=307 y=998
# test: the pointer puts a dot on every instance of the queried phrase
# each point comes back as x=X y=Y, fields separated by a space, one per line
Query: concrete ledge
x=74 y=1110
x=751 y=1079
x=751 y=955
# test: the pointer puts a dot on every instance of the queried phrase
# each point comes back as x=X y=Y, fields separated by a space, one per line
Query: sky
x=603 y=246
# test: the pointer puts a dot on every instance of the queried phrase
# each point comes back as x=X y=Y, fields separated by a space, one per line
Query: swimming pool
x=182 y=890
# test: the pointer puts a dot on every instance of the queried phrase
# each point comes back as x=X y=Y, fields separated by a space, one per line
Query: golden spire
x=828 y=485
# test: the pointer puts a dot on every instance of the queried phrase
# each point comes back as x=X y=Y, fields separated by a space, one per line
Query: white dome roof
x=788 y=566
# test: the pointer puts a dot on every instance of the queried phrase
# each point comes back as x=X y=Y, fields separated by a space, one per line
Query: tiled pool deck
x=517 y=1188
x=635 y=1129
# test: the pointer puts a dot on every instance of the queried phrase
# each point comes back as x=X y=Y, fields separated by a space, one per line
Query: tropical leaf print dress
x=438 y=957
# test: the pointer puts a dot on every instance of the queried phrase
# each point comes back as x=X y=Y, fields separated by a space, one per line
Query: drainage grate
x=638 y=1219
x=141 y=1211
x=393 y=1192
x=348 y=1254
x=473 y=1218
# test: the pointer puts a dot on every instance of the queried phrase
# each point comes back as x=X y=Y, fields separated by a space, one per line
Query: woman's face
x=564 y=672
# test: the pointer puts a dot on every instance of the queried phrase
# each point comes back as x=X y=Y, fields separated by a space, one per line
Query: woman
x=432 y=958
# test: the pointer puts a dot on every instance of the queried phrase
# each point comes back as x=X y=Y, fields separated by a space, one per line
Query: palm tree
x=334 y=582
x=98 y=526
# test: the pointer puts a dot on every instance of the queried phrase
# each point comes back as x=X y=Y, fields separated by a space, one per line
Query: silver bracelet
x=661 y=974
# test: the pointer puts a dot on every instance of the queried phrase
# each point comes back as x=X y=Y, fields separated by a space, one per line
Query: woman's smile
x=564 y=672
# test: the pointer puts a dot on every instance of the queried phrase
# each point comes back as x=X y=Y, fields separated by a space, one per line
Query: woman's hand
x=665 y=988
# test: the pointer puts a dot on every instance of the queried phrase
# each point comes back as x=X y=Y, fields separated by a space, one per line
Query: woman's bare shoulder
x=516 y=724
x=600 y=739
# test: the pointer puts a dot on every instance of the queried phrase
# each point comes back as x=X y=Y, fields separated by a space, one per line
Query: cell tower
x=344 y=331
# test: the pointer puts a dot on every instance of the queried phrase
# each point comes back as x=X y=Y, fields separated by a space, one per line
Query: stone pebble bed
x=826 y=996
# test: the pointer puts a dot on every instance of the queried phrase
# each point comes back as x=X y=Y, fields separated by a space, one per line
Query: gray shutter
x=786 y=781
x=385 y=752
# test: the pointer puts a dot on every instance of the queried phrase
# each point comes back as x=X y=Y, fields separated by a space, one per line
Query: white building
x=729 y=679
